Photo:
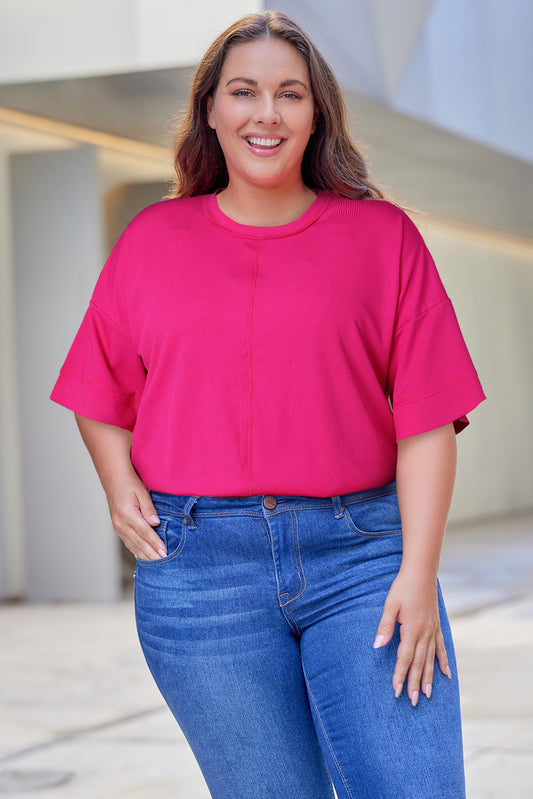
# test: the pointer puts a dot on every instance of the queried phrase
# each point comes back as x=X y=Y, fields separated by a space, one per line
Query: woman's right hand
x=134 y=516
x=130 y=504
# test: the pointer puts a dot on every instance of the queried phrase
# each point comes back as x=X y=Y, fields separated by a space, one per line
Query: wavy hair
x=331 y=161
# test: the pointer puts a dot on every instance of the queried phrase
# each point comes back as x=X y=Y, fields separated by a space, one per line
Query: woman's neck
x=265 y=207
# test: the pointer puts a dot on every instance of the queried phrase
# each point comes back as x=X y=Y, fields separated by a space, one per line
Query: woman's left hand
x=413 y=602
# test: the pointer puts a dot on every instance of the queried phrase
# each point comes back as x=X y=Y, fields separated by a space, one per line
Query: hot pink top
x=267 y=360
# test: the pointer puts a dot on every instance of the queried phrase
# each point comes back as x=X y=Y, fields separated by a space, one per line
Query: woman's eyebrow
x=282 y=85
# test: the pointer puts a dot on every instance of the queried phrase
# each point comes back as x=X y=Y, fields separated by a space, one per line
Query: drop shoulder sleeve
x=103 y=375
x=432 y=380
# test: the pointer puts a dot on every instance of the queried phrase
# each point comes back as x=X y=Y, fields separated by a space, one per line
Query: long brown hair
x=331 y=161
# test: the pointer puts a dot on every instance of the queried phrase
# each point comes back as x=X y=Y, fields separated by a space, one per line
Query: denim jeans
x=258 y=629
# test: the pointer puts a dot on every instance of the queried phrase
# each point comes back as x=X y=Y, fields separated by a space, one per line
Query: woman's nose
x=266 y=111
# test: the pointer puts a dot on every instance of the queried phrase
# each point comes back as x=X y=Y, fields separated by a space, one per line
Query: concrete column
x=71 y=550
x=12 y=580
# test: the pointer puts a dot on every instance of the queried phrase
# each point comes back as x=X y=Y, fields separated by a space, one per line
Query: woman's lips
x=264 y=146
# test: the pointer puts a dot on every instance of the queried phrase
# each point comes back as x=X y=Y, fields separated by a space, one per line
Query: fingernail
x=162 y=553
x=154 y=519
x=448 y=672
x=414 y=698
x=428 y=690
x=380 y=640
x=398 y=690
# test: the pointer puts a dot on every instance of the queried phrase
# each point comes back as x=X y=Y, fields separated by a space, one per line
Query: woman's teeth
x=263 y=142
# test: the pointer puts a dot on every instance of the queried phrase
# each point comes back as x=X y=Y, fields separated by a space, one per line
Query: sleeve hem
x=449 y=405
x=64 y=375
x=460 y=381
x=93 y=402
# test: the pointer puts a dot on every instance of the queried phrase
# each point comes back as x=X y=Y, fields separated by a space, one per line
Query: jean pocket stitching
x=368 y=533
x=173 y=555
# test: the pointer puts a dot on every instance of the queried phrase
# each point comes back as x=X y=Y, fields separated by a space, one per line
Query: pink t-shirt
x=267 y=360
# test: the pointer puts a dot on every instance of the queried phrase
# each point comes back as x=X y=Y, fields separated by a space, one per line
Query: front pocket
x=172 y=533
x=378 y=516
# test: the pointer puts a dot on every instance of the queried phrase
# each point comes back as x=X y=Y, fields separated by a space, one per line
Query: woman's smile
x=264 y=146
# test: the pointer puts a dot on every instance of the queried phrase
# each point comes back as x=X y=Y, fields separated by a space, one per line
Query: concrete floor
x=79 y=721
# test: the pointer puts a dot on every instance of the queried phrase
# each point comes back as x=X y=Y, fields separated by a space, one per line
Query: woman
x=269 y=379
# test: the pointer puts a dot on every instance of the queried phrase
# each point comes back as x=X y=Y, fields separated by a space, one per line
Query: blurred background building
x=441 y=92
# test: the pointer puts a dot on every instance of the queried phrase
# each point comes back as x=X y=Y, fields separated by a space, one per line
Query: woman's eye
x=249 y=93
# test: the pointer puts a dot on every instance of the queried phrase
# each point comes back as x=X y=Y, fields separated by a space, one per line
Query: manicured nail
x=398 y=690
x=428 y=690
x=414 y=698
x=380 y=640
x=154 y=519
x=162 y=553
x=448 y=672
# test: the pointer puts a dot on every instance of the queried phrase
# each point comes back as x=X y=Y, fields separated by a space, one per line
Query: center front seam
x=297 y=561
x=286 y=556
x=253 y=288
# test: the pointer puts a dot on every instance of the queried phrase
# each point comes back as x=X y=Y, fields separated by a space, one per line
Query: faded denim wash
x=258 y=629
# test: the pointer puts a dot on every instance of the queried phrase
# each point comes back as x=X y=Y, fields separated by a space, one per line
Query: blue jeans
x=258 y=629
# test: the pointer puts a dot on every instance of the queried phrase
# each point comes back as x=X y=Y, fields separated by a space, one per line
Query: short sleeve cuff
x=450 y=404
x=93 y=402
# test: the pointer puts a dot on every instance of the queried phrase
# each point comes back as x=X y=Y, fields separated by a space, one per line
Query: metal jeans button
x=270 y=502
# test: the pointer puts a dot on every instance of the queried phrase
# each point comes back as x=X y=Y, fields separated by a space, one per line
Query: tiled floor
x=89 y=718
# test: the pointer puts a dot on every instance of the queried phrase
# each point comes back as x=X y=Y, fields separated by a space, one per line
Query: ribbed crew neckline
x=315 y=210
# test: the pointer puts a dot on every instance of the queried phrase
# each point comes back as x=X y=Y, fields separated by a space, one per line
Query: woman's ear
x=210 y=115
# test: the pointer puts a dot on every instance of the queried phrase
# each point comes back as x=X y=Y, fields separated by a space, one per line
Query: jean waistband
x=177 y=503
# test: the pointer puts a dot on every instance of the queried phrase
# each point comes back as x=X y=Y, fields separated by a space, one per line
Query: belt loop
x=187 y=511
x=337 y=507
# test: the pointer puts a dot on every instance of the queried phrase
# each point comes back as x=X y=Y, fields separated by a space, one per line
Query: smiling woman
x=269 y=379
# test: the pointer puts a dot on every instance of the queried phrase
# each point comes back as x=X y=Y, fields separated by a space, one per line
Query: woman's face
x=263 y=113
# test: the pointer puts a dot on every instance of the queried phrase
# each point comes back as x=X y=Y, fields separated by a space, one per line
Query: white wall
x=472 y=72
x=490 y=280
x=47 y=39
